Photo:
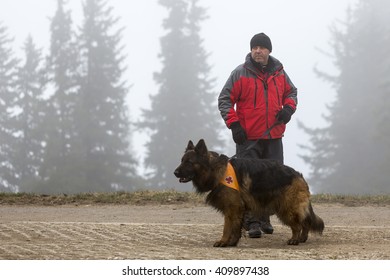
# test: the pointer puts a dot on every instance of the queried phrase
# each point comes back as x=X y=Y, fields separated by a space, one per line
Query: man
x=256 y=103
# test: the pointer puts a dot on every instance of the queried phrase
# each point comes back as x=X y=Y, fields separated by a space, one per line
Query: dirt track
x=180 y=232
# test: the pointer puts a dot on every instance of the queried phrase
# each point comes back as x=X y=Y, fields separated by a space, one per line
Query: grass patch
x=149 y=197
x=119 y=198
x=352 y=200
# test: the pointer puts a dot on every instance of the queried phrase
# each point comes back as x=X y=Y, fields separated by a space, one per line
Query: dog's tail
x=316 y=224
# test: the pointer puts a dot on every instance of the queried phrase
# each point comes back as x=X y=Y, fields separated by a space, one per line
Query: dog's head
x=194 y=161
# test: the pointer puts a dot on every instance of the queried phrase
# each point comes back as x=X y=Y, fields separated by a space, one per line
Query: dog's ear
x=201 y=148
x=190 y=146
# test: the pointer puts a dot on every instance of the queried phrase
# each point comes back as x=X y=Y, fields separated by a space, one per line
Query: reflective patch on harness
x=230 y=179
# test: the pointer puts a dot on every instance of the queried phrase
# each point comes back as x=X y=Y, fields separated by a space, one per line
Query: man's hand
x=239 y=135
x=285 y=114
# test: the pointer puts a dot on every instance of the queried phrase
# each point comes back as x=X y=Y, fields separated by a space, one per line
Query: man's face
x=260 y=54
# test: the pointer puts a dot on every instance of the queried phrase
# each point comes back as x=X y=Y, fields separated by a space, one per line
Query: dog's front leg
x=232 y=228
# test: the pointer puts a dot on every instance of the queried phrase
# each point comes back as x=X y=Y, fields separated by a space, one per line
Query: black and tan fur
x=264 y=184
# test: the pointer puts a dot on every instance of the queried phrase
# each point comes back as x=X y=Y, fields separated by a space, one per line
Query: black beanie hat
x=261 y=40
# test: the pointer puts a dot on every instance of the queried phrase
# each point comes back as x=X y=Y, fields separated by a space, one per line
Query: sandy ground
x=181 y=232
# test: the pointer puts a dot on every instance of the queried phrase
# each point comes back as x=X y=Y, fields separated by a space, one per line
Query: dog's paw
x=220 y=243
x=302 y=239
x=292 y=242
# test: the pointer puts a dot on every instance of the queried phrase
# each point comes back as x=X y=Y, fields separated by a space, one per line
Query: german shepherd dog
x=262 y=184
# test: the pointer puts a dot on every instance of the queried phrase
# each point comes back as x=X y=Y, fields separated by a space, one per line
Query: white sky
x=297 y=28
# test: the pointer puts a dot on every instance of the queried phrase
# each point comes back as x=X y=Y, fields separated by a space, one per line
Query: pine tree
x=184 y=108
x=28 y=122
x=101 y=114
x=348 y=156
x=8 y=67
x=59 y=165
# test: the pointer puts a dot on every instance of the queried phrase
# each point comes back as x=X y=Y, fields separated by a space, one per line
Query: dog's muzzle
x=182 y=179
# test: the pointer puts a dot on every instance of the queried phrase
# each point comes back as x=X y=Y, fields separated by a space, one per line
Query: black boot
x=266 y=226
x=254 y=230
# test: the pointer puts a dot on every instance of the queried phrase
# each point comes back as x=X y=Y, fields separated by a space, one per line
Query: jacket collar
x=273 y=64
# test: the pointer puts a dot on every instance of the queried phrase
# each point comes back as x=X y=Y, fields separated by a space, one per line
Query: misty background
x=315 y=40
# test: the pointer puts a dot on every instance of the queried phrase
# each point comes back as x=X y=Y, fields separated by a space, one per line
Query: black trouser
x=263 y=149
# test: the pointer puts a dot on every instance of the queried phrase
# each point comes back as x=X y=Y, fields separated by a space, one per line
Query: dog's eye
x=191 y=162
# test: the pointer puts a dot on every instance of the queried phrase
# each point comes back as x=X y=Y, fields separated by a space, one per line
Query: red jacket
x=254 y=98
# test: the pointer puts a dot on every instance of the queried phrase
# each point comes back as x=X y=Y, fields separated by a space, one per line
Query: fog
x=299 y=31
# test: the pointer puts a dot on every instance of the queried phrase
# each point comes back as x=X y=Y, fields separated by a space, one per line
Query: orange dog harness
x=230 y=178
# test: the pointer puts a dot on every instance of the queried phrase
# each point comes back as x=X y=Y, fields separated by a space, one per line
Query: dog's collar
x=230 y=178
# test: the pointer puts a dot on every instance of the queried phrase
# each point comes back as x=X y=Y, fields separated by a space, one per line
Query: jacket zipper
x=266 y=103
x=255 y=97
x=277 y=92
